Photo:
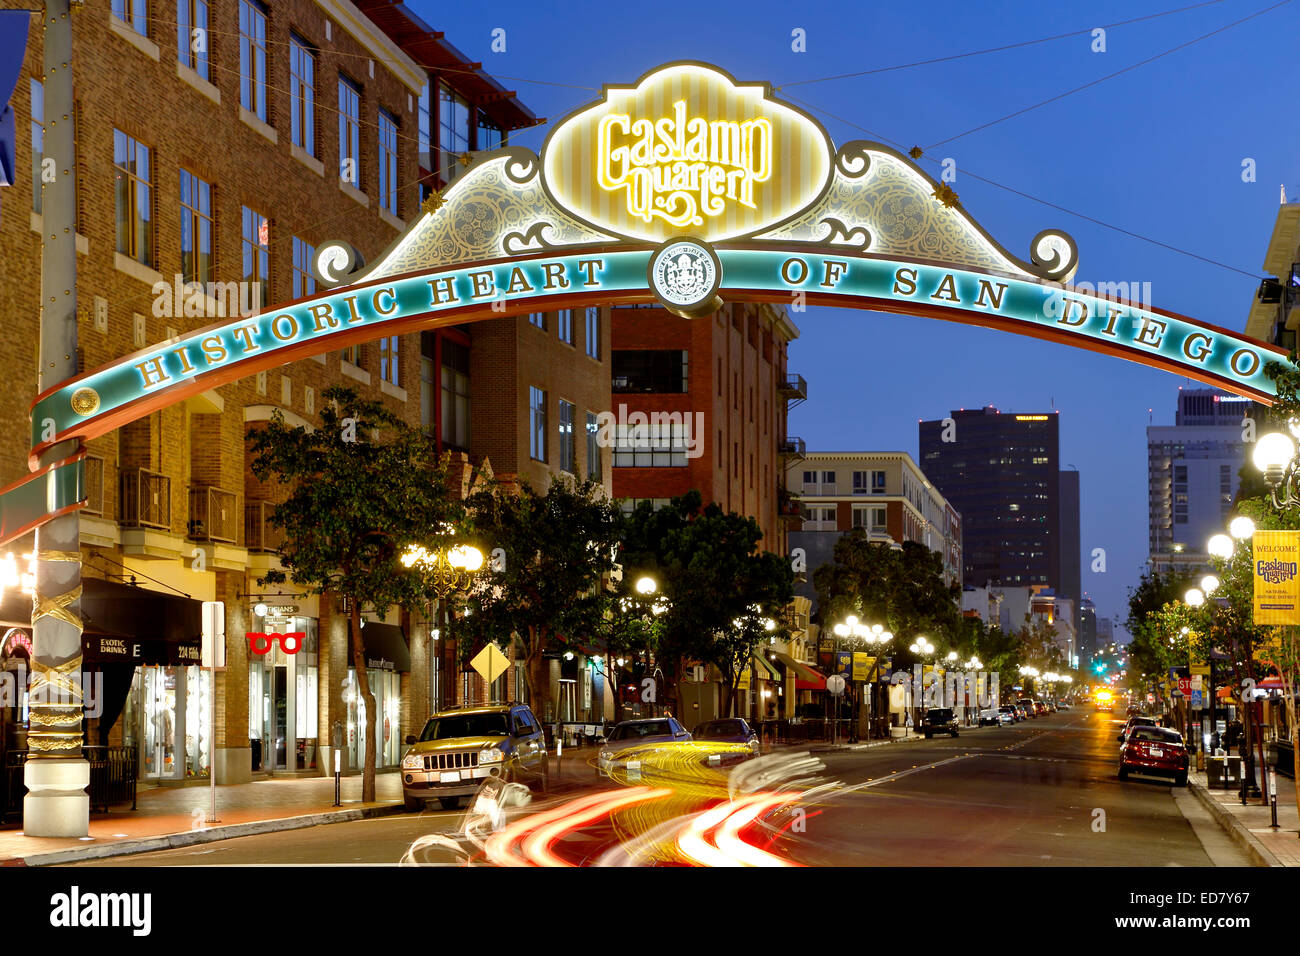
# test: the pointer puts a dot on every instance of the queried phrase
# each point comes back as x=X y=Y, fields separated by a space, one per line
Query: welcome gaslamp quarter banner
x=1275 y=561
x=688 y=188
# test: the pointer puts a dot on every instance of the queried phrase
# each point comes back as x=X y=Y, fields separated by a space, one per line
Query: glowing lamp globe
x=1272 y=452
x=1241 y=528
x=1221 y=546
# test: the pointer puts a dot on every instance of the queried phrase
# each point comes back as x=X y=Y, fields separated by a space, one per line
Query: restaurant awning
x=803 y=673
x=126 y=624
x=385 y=647
x=766 y=669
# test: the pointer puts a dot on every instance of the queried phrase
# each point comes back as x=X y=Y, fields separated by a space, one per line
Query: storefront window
x=386 y=686
x=282 y=697
x=198 y=722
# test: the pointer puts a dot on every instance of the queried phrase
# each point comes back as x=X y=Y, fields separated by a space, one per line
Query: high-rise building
x=1105 y=632
x=1193 y=470
x=1001 y=472
x=1069 y=587
x=1087 y=629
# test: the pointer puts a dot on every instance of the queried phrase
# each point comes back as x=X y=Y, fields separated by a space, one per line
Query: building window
x=455 y=394
x=38 y=141
x=196 y=228
x=349 y=132
x=304 y=280
x=566 y=437
x=538 y=319
x=256 y=232
x=192 y=35
x=424 y=128
x=353 y=355
x=652 y=445
x=828 y=477
x=302 y=95
x=133 y=14
x=252 y=58
x=489 y=135
x=593 y=448
x=388 y=162
x=453 y=128
x=564 y=325
x=861 y=483
x=536 y=424
x=134 y=198
x=877 y=482
x=390 y=360
x=649 y=370
x=593 y=332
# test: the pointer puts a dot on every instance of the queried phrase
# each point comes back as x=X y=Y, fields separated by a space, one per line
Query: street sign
x=835 y=684
x=1151 y=698
x=1185 y=686
x=490 y=663
x=1202 y=669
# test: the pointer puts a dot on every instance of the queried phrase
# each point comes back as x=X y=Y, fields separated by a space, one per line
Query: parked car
x=1040 y=708
x=1028 y=704
x=461 y=747
x=939 y=720
x=1063 y=705
x=1013 y=712
x=1154 y=750
x=636 y=733
x=731 y=730
x=995 y=717
x=1135 y=722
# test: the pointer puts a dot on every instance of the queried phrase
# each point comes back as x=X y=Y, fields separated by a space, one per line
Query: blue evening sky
x=1157 y=151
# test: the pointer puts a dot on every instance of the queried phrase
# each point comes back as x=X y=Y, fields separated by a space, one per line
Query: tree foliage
x=360 y=488
x=555 y=548
x=717 y=587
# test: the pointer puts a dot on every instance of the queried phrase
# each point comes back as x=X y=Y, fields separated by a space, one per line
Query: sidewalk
x=169 y=817
x=1249 y=825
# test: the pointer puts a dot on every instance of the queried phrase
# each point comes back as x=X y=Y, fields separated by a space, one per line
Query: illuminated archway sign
x=685 y=187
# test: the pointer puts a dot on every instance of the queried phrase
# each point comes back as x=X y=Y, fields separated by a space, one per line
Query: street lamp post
x=921 y=648
x=442 y=573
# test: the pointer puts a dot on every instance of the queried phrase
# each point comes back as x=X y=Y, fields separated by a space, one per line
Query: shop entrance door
x=269 y=712
x=157 y=688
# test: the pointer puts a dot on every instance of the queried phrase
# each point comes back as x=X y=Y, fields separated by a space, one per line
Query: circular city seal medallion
x=85 y=401
x=685 y=275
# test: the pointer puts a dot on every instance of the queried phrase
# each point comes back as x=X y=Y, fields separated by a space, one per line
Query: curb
x=171 y=841
x=1233 y=827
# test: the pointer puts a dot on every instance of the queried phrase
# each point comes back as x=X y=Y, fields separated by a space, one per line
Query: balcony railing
x=259 y=535
x=146 y=499
x=792 y=448
x=794 y=388
x=214 y=515
x=94 y=485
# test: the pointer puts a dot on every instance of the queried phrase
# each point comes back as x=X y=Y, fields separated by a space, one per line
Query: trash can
x=1223 y=772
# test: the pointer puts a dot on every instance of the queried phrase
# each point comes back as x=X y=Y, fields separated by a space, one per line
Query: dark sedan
x=731 y=730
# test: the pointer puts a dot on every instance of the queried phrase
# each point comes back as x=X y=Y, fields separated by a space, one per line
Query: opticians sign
x=688 y=188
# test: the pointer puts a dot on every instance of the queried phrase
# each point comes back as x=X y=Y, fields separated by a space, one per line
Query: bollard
x=338 y=778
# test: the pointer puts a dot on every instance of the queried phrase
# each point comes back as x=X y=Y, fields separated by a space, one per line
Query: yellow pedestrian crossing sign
x=490 y=663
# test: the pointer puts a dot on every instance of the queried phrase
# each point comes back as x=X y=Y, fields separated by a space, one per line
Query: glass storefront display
x=282 y=692
x=168 y=716
x=386 y=686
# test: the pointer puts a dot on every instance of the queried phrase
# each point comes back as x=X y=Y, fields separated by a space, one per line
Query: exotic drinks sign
x=690 y=189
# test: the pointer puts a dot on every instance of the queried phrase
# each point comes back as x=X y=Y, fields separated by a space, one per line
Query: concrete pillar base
x=234 y=765
x=57 y=804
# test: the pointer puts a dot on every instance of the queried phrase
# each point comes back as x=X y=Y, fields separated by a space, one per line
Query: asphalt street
x=1040 y=793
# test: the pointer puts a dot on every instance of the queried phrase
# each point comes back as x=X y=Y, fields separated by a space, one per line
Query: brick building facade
x=225 y=161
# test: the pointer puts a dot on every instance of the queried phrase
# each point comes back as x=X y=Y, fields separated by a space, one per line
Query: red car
x=1154 y=750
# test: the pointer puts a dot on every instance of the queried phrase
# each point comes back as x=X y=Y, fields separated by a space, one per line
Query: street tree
x=719 y=589
x=554 y=550
x=358 y=489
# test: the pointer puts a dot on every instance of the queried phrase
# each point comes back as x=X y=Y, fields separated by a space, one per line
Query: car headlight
x=490 y=755
x=413 y=762
x=606 y=755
